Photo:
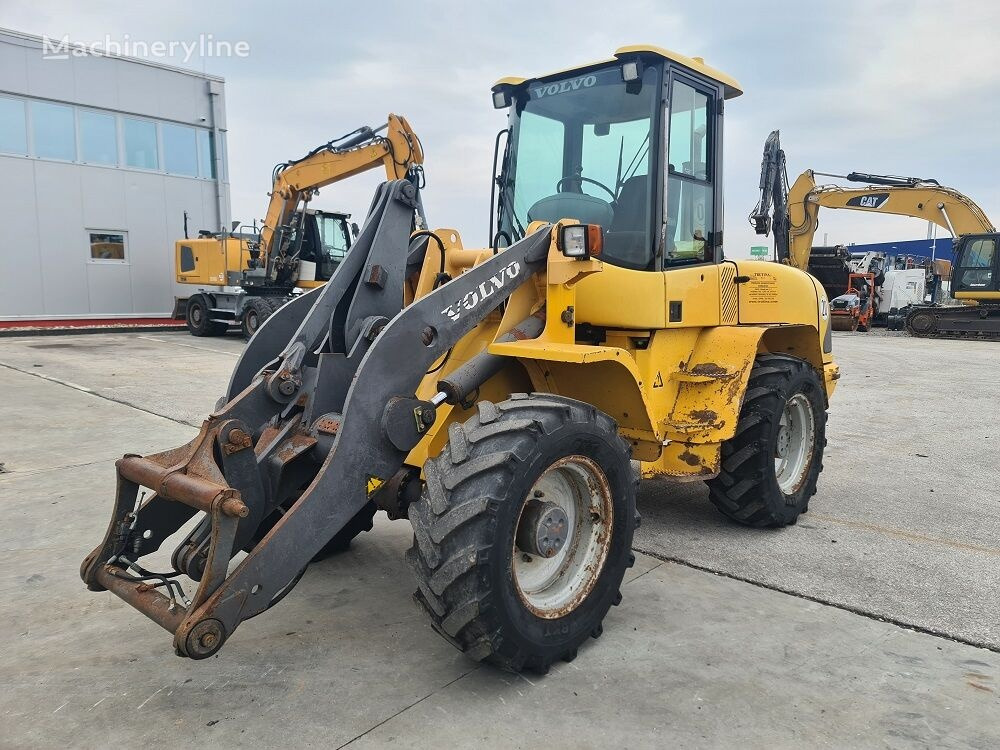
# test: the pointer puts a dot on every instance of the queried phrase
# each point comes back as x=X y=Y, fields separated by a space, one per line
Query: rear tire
x=771 y=465
x=511 y=573
x=197 y=318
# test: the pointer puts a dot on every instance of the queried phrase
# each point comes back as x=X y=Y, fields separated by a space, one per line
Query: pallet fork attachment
x=321 y=401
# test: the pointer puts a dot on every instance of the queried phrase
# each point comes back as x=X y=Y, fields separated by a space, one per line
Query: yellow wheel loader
x=497 y=397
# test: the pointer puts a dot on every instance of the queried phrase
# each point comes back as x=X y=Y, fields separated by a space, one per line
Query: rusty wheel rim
x=562 y=537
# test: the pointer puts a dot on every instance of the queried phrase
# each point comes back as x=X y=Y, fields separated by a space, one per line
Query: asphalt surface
x=702 y=652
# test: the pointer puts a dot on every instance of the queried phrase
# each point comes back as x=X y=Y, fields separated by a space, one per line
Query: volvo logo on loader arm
x=484 y=291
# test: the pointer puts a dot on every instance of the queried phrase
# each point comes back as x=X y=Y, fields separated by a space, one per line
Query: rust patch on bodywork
x=710 y=370
x=689 y=458
x=704 y=416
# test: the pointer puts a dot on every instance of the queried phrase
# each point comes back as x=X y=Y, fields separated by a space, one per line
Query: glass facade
x=62 y=132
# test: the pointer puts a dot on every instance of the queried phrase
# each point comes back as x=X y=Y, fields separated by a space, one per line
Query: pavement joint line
x=658 y=565
x=407 y=708
x=826 y=602
x=90 y=392
x=903 y=534
x=190 y=346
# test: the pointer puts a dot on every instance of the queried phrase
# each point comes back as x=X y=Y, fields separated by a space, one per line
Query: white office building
x=100 y=159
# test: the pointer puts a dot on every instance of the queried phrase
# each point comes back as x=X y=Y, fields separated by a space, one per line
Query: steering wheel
x=575 y=178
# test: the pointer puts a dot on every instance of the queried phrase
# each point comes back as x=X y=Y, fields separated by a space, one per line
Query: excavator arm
x=394 y=145
x=794 y=212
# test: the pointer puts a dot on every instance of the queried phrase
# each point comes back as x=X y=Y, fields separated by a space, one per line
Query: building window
x=107 y=247
x=13 y=133
x=206 y=154
x=140 y=143
x=98 y=138
x=54 y=131
x=180 y=150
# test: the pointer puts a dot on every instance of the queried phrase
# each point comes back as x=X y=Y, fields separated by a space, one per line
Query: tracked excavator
x=497 y=396
x=793 y=214
x=297 y=248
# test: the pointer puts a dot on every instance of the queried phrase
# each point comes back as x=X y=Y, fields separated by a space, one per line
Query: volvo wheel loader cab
x=496 y=397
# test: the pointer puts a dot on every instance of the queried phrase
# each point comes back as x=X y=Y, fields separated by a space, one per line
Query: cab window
x=977 y=262
x=581 y=150
x=689 y=177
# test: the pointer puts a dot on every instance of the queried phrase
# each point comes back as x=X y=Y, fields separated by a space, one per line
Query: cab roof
x=730 y=85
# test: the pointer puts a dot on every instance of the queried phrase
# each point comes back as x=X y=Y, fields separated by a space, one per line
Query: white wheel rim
x=552 y=587
x=793 y=448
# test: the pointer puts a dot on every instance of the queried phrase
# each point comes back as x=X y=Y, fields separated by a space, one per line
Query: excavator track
x=942 y=322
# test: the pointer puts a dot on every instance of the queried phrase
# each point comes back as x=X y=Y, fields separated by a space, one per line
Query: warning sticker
x=372 y=484
x=762 y=289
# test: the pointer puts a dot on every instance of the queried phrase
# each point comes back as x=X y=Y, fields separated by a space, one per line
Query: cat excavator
x=793 y=215
x=297 y=248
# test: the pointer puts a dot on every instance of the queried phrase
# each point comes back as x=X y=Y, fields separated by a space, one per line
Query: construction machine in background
x=793 y=214
x=246 y=276
x=497 y=396
x=855 y=309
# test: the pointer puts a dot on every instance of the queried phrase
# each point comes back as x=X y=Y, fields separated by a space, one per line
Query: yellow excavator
x=297 y=248
x=497 y=396
x=793 y=214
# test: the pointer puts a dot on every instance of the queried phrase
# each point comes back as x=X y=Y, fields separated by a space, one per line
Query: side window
x=98 y=138
x=976 y=271
x=206 y=154
x=54 y=131
x=13 y=132
x=689 y=172
x=107 y=247
x=140 y=143
x=180 y=151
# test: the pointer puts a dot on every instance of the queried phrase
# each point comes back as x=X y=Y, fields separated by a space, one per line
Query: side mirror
x=354 y=229
x=234 y=226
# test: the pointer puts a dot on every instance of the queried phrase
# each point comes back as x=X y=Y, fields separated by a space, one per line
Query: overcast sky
x=906 y=87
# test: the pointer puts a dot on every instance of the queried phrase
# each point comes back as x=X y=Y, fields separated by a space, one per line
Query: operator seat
x=627 y=237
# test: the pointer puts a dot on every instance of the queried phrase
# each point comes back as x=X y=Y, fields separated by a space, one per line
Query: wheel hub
x=562 y=537
x=543 y=529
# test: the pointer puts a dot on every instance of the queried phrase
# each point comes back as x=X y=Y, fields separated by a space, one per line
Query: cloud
x=889 y=86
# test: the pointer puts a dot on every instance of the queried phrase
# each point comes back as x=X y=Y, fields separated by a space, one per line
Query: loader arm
x=398 y=150
x=330 y=413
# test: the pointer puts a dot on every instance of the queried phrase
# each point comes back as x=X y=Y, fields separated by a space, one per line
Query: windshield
x=580 y=148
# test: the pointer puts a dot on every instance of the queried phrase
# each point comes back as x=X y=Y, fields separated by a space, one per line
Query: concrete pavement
x=690 y=659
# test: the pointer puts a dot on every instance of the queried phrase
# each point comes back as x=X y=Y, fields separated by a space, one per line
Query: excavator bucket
x=320 y=411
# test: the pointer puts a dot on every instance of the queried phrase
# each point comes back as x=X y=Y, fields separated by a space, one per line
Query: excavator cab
x=976 y=273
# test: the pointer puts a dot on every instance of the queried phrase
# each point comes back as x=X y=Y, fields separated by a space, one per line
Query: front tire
x=771 y=465
x=523 y=533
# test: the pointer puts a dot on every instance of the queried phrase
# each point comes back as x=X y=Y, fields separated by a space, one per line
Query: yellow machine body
x=674 y=389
